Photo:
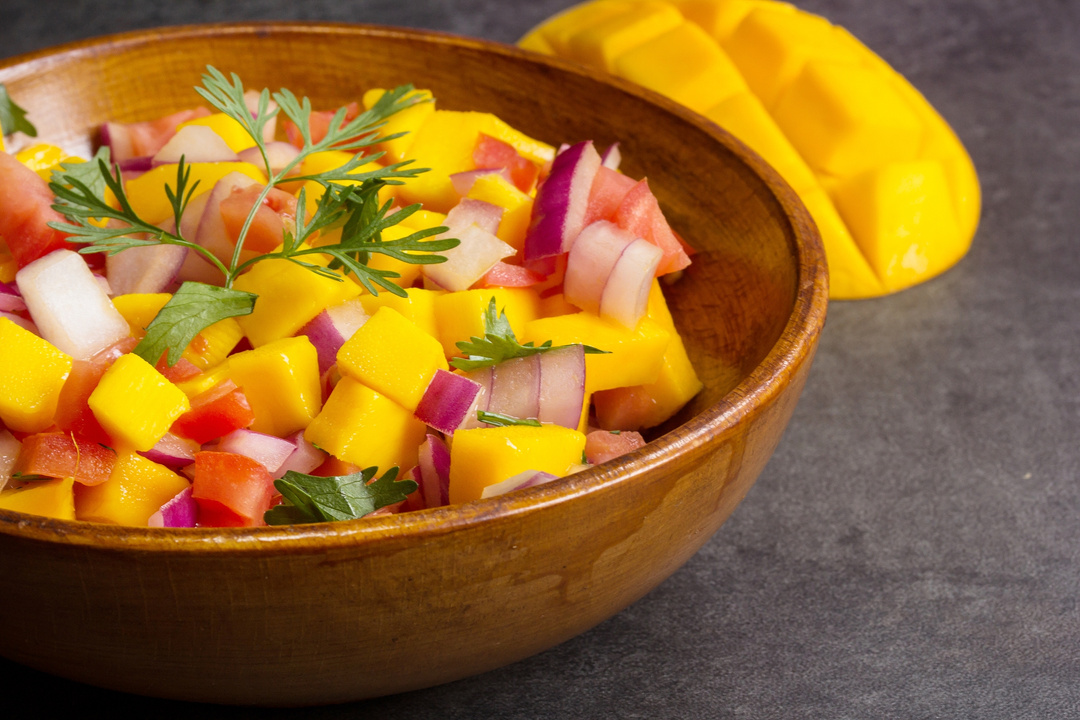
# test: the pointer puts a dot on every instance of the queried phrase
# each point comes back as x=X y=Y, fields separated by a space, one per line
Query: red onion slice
x=515 y=388
x=592 y=257
x=626 y=293
x=172 y=451
x=447 y=401
x=331 y=328
x=304 y=458
x=522 y=480
x=434 y=464
x=562 y=386
x=181 y=511
x=612 y=157
x=558 y=213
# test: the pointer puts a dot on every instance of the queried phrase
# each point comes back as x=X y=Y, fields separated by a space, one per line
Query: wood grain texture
x=335 y=612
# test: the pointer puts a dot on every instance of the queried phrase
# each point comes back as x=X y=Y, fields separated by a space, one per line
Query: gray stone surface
x=912 y=549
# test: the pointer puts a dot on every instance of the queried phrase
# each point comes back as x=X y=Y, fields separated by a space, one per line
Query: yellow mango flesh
x=206 y=350
x=404 y=121
x=281 y=382
x=832 y=117
x=516 y=205
x=460 y=315
x=136 y=489
x=33 y=375
x=418 y=305
x=51 y=498
x=485 y=456
x=138 y=424
x=146 y=193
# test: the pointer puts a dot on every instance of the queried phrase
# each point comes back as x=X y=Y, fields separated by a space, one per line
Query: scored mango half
x=893 y=191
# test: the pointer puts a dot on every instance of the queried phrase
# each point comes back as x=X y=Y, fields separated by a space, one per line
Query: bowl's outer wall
x=320 y=614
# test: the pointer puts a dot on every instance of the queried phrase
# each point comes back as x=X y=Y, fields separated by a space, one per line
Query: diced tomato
x=231 y=490
x=319 y=124
x=608 y=190
x=181 y=371
x=73 y=413
x=267 y=228
x=62 y=455
x=629 y=408
x=25 y=213
x=507 y=275
x=640 y=213
x=603 y=445
x=332 y=467
x=493 y=153
x=150 y=136
x=216 y=412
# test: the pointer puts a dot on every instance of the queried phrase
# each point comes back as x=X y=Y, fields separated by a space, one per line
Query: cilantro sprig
x=499 y=344
x=12 y=117
x=310 y=498
x=82 y=195
x=501 y=420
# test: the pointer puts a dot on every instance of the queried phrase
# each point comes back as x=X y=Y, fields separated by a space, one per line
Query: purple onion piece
x=181 y=511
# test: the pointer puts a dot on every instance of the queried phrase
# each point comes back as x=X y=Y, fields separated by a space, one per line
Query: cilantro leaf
x=500 y=420
x=499 y=343
x=310 y=498
x=193 y=308
x=88 y=173
x=13 y=117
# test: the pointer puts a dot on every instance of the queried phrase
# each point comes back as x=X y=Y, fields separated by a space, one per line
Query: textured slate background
x=911 y=551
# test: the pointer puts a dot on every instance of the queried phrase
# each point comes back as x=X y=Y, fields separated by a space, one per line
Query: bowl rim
x=794 y=346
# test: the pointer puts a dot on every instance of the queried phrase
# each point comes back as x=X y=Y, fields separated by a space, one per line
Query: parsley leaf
x=88 y=173
x=500 y=420
x=499 y=343
x=13 y=117
x=310 y=498
x=193 y=308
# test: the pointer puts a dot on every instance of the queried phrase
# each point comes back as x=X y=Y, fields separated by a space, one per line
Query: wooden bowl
x=328 y=613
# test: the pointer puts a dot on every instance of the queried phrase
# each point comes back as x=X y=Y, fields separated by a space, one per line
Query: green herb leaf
x=88 y=173
x=343 y=497
x=30 y=477
x=193 y=308
x=500 y=344
x=500 y=420
x=13 y=117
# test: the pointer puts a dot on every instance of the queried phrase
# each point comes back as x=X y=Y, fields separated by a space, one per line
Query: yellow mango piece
x=903 y=220
x=516 y=205
x=360 y=426
x=393 y=357
x=205 y=380
x=136 y=489
x=599 y=43
x=745 y=117
x=51 y=498
x=556 y=304
x=685 y=64
x=484 y=456
x=418 y=306
x=554 y=35
x=146 y=193
x=33 y=374
x=845 y=120
x=719 y=18
x=633 y=356
x=281 y=382
x=135 y=403
x=404 y=121
x=850 y=274
x=207 y=349
x=408 y=273
x=772 y=44
x=227 y=128
x=43 y=158
x=289 y=296
x=460 y=315
x=424 y=219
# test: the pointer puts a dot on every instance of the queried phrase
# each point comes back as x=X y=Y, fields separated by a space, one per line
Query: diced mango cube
x=51 y=498
x=845 y=119
x=227 y=128
x=136 y=489
x=460 y=315
x=33 y=375
x=408 y=273
x=362 y=427
x=135 y=403
x=685 y=64
x=392 y=356
x=902 y=217
x=205 y=380
x=484 y=456
x=418 y=305
x=556 y=33
x=281 y=382
x=146 y=193
x=850 y=274
x=517 y=207
x=601 y=42
x=44 y=158
x=404 y=121
x=289 y=296
x=633 y=356
x=207 y=349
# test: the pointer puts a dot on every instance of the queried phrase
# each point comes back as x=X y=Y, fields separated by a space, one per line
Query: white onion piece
x=279 y=153
x=268 y=450
x=447 y=401
x=148 y=269
x=468 y=262
x=612 y=157
x=329 y=330
x=529 y=478
x=626 y=294
x=21 y=322
x=515 y=388
x=172 y=451
x=251 y=99
x=562 y=386
x=558 y=212
x=195 y=143
x=69 y=307
x=9 y=453
x=592 y=258
x=181 y=511
x=463 y=181
x=434 y=464
x=304 y=458
x=117 y=137
x=484 y=215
